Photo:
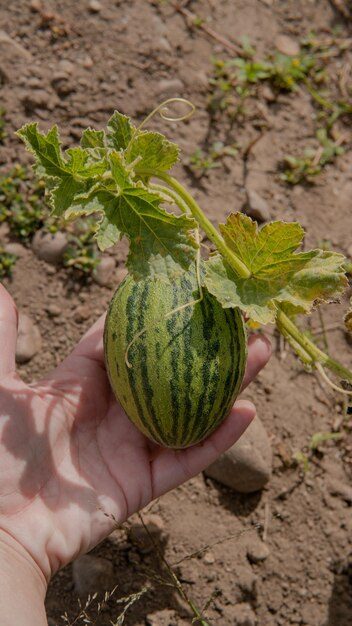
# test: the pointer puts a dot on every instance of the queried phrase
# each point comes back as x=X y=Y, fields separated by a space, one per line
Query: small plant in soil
x=22 y=203
x=24 y=207
x=7 y=261
x=306 y=167
x=175 y=340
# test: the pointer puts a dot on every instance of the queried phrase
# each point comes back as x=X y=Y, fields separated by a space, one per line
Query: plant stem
x=304 y=347
x=206 y=224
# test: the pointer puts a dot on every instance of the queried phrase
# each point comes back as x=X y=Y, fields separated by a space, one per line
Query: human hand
x=71 y=462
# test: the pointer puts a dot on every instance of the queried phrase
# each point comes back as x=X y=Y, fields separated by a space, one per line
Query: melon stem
x=306 y=350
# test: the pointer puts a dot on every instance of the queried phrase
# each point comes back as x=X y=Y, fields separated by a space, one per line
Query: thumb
x=8 y=332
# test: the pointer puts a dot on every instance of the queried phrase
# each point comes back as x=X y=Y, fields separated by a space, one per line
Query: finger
x=8 y=332
x=172 y=467
x=259 y=352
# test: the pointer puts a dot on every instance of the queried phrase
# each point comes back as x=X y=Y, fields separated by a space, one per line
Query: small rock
x=172 y=86
x=66 y=66
x=241 y=614
x=257 y=550
x=49 y=247
x=246 y=467
x=87 y=62
x=37 y=99
x=15 y=248
x=53 y=310
x=91 y=574
x=121 y=274
x=104 y=273
x=95 y=6
x=246 y=580
x=209 y=558
x=287 y=45
x=268 y=93
x=29 y=341
x=12 y=56
x=258 y=208
x=50 y=270
x=342 y=490
x=82 y=313
x=162 y=45
x=162 y=618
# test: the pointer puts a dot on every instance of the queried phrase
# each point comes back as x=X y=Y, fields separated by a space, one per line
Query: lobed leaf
x=279 y=274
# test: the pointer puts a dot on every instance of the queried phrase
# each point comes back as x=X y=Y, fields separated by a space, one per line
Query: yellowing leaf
x=279 y=274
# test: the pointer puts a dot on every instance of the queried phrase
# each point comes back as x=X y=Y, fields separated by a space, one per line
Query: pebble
x=95 y=6
x=257 y=550
x=241 y=614
x=173 y=86
x=338 y=488
x=12 y=54
x=246 y=580
x=287 y=45
x=268 y=93
x=66 y=66
x=29 y=340
x=246 y=466
x=15 y=248
x=53 y=310
x=209 y=558
x=258 y=208
x=104 y=273
x=82 y=313
x=49 y=247
x=92 y=574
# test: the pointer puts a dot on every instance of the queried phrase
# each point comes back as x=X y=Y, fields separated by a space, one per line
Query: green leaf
x=120 y=131
x=154 y=151
x=67 y=176
x=93 y=138
x=104 y=175
x=279 y=274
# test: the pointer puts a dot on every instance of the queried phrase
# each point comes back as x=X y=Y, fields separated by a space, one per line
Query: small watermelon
x=184 y=371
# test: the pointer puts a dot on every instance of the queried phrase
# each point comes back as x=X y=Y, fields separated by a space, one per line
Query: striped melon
x=186 y=369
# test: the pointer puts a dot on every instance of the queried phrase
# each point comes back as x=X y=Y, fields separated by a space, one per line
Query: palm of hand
x=71 y=463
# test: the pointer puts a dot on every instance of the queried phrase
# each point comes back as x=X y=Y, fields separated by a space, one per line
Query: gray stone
x=15 y=248
x=53 y=310
x=29 y=340
x=95 y=6
x=104 y=273
x=340 y=489
x=171 y=86
x=241 y=614
x=246 y=467
x=257 y=550
x=12 y=57
x=49 y=247
x=287 y=45
x=92 y=574
x=258 y=208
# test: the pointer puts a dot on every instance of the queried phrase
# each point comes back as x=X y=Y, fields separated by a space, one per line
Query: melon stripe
x=187 y=368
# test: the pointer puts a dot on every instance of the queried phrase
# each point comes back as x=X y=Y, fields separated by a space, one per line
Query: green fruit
x=186 y=368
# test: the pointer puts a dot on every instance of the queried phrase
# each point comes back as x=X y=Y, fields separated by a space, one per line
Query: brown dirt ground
x=120 y=55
